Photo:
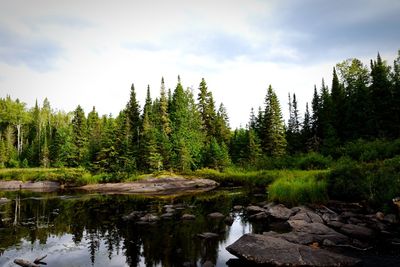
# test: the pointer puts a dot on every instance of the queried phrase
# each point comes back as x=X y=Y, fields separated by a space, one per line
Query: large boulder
x=264 y=249
x=279 y=212
x=314 y=232
x=307 y=215
x=357 y=231
x=216 y=215
x=254 y=209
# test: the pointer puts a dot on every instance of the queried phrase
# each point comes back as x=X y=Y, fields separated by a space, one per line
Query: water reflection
x=88 y=230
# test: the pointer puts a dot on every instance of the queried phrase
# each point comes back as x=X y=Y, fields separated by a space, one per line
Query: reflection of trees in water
x=98 y=221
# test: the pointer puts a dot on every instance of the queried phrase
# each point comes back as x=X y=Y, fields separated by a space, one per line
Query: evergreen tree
x=382 y=98
x=306 y=132
x=133 y=116
x=338 y=106
x=94 y=135
x=79 y=137
x=293 y=135
x=316 y=129
x=396 y=96
x=221 y=126
x=273 y=142
x=207 y=110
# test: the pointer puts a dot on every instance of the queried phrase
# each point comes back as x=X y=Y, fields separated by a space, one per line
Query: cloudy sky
x=89 y=52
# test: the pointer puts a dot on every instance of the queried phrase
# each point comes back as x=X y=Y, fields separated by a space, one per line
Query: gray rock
x=263 y=249
x=335 y=224
x=254 y=209
x=149 y=218
x=307 y=215
x=280 y=212
x=316 y=232
x=134 y=215
x=380 y=216
x=357 y=231
x=259 y=216
x=216 y=215
x=237 y=207
x=391 y=218
x=4 y=200
x=169 y=210
x=167 y=216
x=228 y=220
x=208 y=264
x=207 y=235
x=188 y=217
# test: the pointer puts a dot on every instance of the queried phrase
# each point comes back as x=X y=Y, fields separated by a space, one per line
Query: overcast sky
x=90 y=52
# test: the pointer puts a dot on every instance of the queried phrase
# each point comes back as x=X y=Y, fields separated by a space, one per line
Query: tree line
x=184 y=130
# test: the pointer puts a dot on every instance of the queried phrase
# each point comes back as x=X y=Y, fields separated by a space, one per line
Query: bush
x=377 y=182
x=314 y=161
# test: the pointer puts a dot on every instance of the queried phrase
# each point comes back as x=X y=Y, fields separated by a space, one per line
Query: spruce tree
x=274 y=142
x=79 y=137
x=207 y=110
x=293 y=135
x=134 y=122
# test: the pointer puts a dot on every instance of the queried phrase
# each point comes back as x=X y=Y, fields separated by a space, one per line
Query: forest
x=351 y=126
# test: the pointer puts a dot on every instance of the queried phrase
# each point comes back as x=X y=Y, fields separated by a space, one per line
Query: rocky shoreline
x=148 y=186
x=313 y=234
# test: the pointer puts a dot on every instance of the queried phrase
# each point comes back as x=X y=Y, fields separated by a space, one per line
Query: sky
x=90 y=52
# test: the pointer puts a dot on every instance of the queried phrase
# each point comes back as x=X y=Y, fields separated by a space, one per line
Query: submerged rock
x=188 y=217
x=216 y=215
x=228 y=220
x=263 y=249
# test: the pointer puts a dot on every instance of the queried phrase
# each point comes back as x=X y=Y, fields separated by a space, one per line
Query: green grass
x=299 y=188
x=258 y=178
x=70 y=176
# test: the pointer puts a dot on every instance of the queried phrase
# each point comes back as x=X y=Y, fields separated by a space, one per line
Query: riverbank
x=171 y=185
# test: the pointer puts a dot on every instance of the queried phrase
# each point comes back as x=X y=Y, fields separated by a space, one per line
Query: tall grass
x=301 y=188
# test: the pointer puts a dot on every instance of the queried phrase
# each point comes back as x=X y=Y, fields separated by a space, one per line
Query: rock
x=208 y=264
x=307 y=215
x=357 y=231
x=280 y=212
x=168 y=206
x=169 y=210
x=317 y=232
x=335 y=224
x=216 y=215
x=259 y=216
x=228 y=220
x=134 y=215
x=188 y=217
x=207 y=235
x=380 y=216
x=167 y=216
x=4 y=200
x=263 y=249
x=237 y=207
x=254 y=209
x=391 y=218
x=149 y=218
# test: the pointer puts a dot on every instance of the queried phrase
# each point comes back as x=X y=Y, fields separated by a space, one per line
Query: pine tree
x=293 y=135
x=382 y=98
x=306 y=132
x=338 y=105
x=79 y=137
x=94 y=134
x=221 y=126
x=314 y=142
x=134 y=122
x=273 y=142
x=207 y=110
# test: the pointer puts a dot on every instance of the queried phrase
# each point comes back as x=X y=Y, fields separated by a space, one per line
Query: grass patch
x=238 y=176
x=299 y=188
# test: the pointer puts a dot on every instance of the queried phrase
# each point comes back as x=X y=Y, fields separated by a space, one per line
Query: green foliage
x=376 y=182
x=300 y=188
x=314 y=161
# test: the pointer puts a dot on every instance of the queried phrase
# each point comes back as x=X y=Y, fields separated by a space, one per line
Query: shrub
x=314 y=161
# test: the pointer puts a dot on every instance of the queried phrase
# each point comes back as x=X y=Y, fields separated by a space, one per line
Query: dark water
x=75 y=229
x=88 y=230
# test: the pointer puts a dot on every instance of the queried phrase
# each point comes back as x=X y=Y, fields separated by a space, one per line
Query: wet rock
x=316 y=232
x=168 y=206
x=391 y=218
x=259 y=216
x=207 y=235
x=335 y=224
x=216 y=215
x=307 y=215
x=279 y=212
x=263 y=249
x=188 y=217
x=380 y=216
x=237 y=207
x=167 y=216
x=149 y=218
x=228 y=220
x=134 y=215
x=4 y=200
x=357 y=231
x=208 y=264
x=254 y=209
x=169 y=210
